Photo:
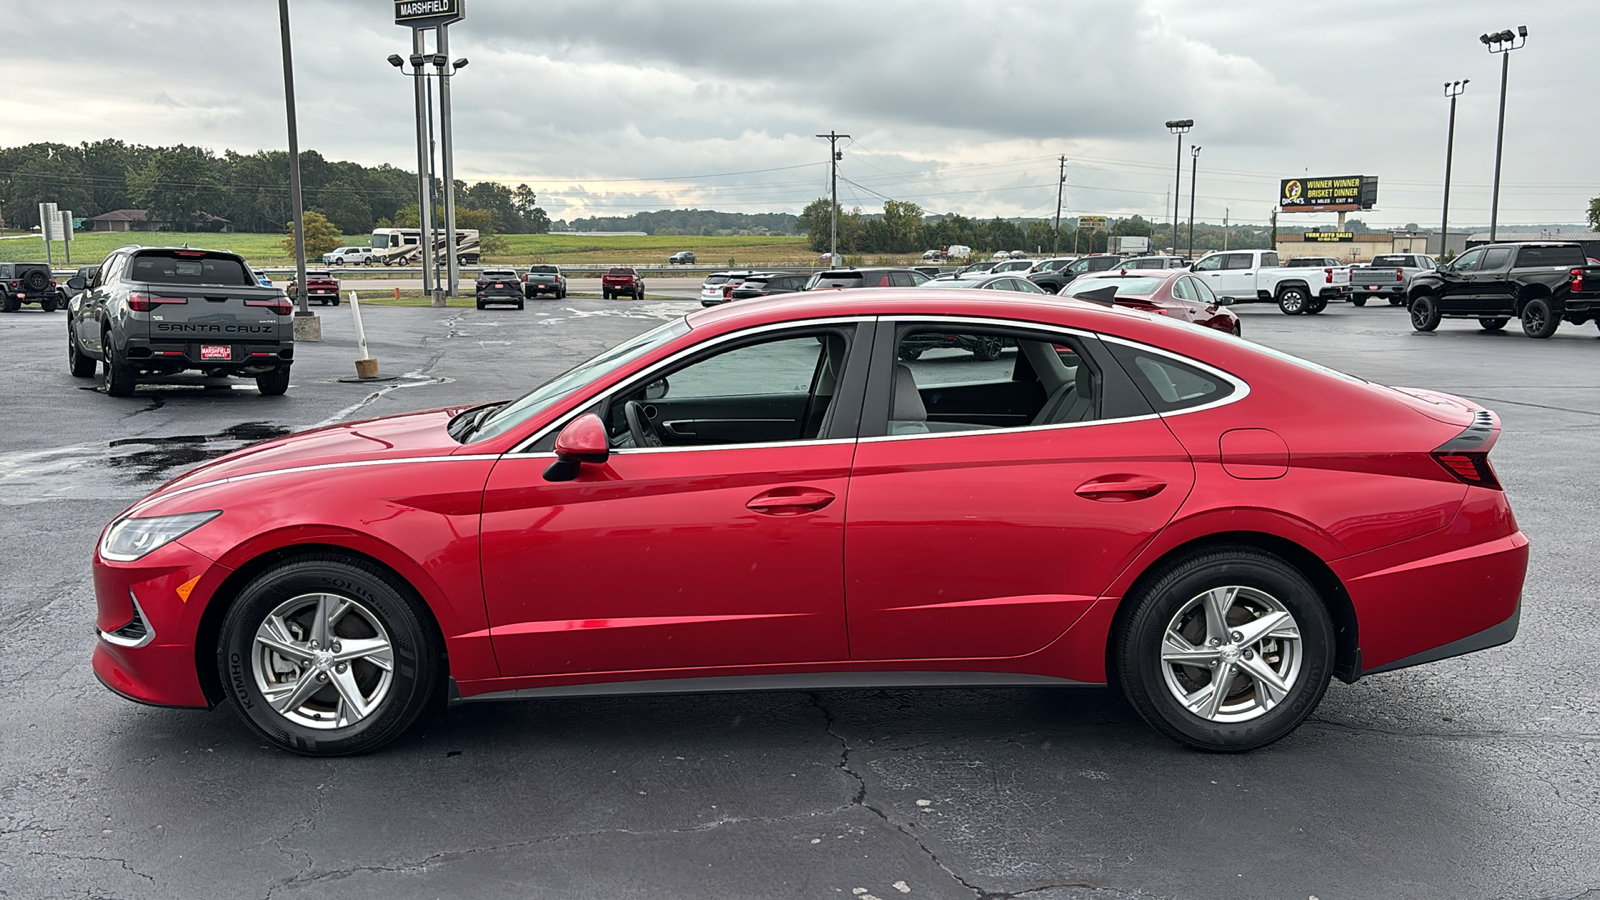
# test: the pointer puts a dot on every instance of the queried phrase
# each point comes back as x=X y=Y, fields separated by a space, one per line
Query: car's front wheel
x=1425 y=313
x=326 y=656
x=81 y=364
x=120 y=376
x=1226 y=651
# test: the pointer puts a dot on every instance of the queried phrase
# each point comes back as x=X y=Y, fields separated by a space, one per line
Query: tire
x=910 y=353
x=519 y=304
x=10 y=304
x=1538 y=320
x=988 y=349
x=1425 y=314
x=562 y=294
x=81 y=364
x=35 y=280
x=1359 y=300
x=48 y=304
x=529 y=293
x=121 y=378
x=274 y=383
x=1238 y=329
x=1292 y=301
x=1253 y=590
x=480 y=304
x=336 y=301
x=1317 y=305
x=1397 y=301
x=282 y=605
x=1493 y=324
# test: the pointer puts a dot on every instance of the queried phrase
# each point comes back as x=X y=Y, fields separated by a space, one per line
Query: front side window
x=778 y=389
x=1496 y=259
x=1468 y=261
x=1209 y=264
x=965 y=380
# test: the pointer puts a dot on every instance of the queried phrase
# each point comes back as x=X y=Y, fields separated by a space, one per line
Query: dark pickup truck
x=152 y=312
x=1539 y=283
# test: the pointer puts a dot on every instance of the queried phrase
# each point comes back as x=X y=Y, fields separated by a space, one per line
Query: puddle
x=123 y=468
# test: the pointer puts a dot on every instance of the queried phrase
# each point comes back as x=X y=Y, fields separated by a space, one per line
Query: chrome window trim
x=561 y=421
x=1240 y=388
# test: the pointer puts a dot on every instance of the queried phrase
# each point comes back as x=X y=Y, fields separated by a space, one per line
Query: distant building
x=1353 y=247
x=139 y=220
x=1589 y=239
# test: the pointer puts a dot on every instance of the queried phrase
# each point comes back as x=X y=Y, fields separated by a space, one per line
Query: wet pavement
x=1475 y=777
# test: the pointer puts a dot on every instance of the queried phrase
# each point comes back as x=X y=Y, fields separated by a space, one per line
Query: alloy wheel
x=1231 y=654
x=322 y=660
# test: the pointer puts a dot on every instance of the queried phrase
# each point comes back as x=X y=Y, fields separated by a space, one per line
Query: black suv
x=1539 y=283
x=855 y=278
x=767 y=284
x=27 y=283
x=1053 y=282
x=498 y=286
x=152 y=312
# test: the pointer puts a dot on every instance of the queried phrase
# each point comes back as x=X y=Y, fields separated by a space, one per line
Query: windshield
x=540 y=398
x=1130 y=287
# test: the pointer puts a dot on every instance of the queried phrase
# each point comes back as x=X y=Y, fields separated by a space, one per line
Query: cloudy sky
x=612 y=107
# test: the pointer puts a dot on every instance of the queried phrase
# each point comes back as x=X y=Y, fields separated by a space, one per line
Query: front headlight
x=129 y=539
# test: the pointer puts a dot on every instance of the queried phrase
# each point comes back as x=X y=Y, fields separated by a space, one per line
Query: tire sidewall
x=1539 y=305
x=1139 y=657
x=1292 y=302
x=411 y=642
x=1424 y=313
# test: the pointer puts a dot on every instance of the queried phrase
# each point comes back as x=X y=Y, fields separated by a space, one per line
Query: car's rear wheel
x=1492 y=323
x=1292 y=301
x=988 y=348
x=10 y=304
x=519 y=304
x=1397 y=301
x=1316 y=305
x=120 y=376
x=910 y=353
x=1425 y=314
x=328 y=657
x=81 y=364
x=1538 y=321
x=1226 y=651
x=1359 y=300
x=48 y=304
x=274 y=383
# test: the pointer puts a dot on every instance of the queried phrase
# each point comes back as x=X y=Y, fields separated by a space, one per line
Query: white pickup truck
x=1245 y=276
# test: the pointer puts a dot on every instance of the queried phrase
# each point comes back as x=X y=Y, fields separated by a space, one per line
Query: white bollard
x=366 y=366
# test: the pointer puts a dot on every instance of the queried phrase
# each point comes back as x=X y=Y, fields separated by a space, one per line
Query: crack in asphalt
x=103 y=859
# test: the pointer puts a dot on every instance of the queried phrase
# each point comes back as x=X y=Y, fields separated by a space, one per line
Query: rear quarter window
x=1550 y=256
x=1168 y=383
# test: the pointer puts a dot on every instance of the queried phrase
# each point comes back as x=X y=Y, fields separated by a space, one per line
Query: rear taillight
x=1329 y=274
x=142 y=302
x=1577 y=279
x=1469 y=468
x=727 y=292
x=279 y=305
x=1399 y=275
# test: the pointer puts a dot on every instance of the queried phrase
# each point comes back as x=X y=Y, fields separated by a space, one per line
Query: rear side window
x=1170 y=385
x=1549 y=256
x=1240 y=261
x=189 y=267
x=715 y=279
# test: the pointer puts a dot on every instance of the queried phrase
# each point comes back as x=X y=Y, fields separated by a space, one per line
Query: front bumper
x=167 y=591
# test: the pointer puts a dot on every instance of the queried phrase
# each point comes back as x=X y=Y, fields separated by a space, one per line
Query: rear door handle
x=1121 y=488
x=789 y=501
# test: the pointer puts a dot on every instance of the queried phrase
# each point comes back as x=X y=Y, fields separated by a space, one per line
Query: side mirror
x=655 y=390
x=582 y=441
x=77 y=283
x=1224 y=301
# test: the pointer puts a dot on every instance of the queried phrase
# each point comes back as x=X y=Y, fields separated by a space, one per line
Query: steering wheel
x=644 y=435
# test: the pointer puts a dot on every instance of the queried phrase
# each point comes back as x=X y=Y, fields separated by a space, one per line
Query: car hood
x=406 y=436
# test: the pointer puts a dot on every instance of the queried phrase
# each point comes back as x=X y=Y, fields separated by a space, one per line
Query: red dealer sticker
x=216 y=351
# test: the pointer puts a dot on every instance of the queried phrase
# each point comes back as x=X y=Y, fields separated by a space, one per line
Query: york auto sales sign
x=428 y=13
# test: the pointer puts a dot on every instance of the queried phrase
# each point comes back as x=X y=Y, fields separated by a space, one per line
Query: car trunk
x=206 y=324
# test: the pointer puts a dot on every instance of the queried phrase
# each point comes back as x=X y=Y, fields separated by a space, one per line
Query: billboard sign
x=1343 y=193
x=1330 y=237
x=1092 y=222
x=428 y=13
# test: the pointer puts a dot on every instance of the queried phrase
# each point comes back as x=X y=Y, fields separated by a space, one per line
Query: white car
x=348 y=256
x=1014 y=265
x=718 y=284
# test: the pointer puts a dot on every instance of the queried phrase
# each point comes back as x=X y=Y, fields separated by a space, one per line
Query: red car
x=1176 y=294
x=764 y=496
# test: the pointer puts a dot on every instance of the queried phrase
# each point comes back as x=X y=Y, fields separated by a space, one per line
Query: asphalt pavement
x=1474 y=777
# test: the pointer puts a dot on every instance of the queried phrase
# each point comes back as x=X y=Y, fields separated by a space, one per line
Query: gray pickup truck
x=152 y=312
x=1388 y=276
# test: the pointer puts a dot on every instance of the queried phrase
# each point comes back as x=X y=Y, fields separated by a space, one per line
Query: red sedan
x=1178 y=295
x=764 y=496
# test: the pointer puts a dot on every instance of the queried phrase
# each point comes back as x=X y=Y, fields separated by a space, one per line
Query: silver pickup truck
x=1388 y=276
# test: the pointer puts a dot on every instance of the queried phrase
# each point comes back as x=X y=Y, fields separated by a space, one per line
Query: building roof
x=122 y=215
x=1523 y=237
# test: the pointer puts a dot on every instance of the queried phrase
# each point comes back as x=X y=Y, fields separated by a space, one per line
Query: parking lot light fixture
x=1502 y=43
x=1179 y=127
x=396 y=60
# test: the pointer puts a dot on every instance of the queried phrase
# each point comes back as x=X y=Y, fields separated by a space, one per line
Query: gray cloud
x=604 y=108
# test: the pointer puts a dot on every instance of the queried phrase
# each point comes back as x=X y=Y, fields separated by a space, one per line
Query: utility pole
x=1061 y=187
x=1194 y=153
x=1224 y=228
x=833 y=162
x=1452 y=89
x=307 y=328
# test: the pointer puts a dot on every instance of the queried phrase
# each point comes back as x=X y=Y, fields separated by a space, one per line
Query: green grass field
x=266 y=250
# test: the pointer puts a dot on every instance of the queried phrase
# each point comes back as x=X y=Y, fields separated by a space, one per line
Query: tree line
x=688 y=222
x=181 y=186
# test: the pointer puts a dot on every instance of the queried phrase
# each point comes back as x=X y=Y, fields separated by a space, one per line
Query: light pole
x=1061 y=186
x=1179 y=127
x=424 y=174
x=1502 y=43
x=1194 y=170
x=306 y=326
x=441 y=62
x=1452 y=89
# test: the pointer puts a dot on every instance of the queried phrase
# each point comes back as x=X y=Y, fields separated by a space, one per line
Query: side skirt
x=802 y=681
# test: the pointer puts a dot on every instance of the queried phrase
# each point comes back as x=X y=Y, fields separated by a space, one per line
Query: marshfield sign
x=1342 y=193
x=428 y=13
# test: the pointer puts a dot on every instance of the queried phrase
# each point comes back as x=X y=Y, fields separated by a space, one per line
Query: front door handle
x=1121 y=488
x=789 y=501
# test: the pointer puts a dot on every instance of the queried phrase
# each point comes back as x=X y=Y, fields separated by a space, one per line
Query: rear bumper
x=1493 y=636
x=500 y=295
x=1378 y=290
x=177 y=354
